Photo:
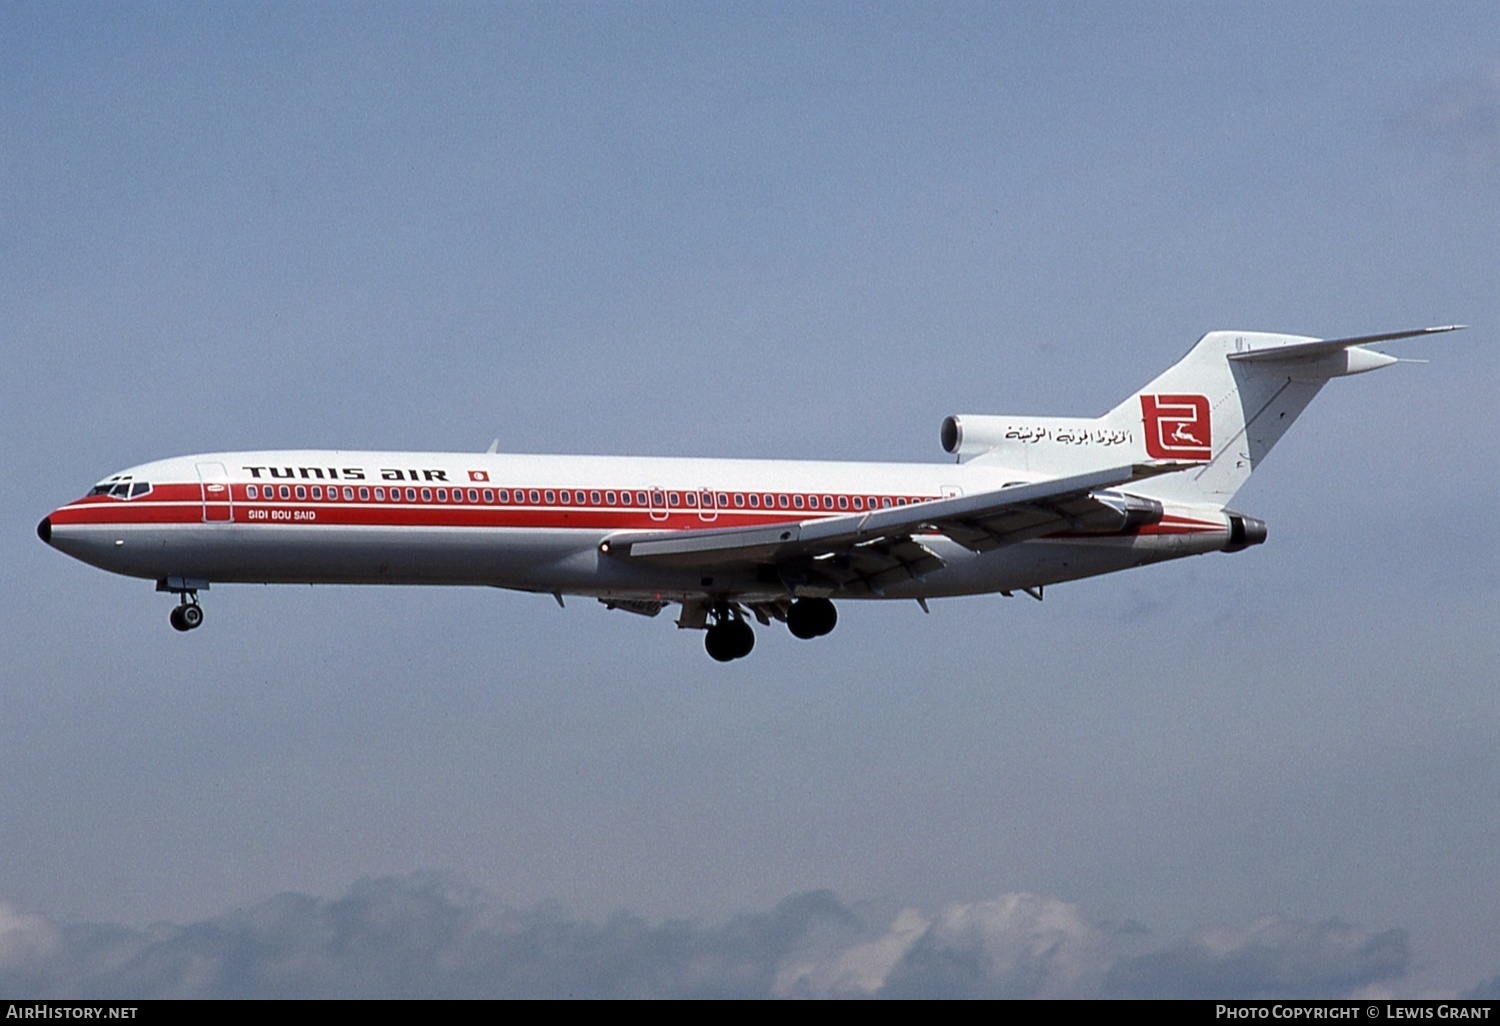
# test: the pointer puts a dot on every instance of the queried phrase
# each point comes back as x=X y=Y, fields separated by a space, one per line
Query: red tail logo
x=1177 y=427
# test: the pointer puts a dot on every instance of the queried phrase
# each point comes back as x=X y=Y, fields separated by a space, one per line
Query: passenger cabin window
x=250 y=491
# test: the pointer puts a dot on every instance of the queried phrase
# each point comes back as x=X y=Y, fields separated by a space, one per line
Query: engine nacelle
x=1134 y=511
x=1048 y=444
x=1244 y=532
x=969 y=435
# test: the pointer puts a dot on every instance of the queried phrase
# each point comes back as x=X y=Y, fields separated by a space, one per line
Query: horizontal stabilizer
x=1315 y=348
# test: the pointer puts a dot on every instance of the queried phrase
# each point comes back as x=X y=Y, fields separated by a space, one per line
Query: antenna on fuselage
x=494 y=448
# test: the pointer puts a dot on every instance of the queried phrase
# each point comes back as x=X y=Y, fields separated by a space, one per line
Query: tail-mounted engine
x=1244 y=532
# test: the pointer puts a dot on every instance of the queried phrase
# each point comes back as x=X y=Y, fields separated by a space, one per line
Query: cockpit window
x=121 y=486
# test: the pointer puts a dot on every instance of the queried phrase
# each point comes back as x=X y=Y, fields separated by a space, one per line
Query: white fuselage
x=536 y=523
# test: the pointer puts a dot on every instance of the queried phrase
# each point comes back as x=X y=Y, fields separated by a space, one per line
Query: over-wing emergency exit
x=1030 y=501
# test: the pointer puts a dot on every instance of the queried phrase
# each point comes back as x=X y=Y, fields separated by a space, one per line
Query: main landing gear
x=189 y=614
x=730 y=637
x=811 y=618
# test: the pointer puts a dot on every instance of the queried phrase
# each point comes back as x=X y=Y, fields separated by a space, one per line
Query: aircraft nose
x=44 y=530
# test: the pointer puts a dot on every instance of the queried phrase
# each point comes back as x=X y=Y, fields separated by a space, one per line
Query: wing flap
x=874 y=549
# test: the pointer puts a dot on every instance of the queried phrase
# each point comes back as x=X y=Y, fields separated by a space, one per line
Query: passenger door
x=218 y=500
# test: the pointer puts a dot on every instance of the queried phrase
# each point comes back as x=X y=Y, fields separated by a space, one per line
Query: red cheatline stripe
x=183 y=504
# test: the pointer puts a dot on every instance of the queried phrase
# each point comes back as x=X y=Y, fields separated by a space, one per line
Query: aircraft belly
x=564 y=560
x=323 y=554
x=529 y=559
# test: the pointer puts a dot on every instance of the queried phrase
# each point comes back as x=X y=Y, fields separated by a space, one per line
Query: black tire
x=800 y=621
x=828 y=617
x=191 y=616
x=742 y=636
x=811 y=618
x=176 y=618
x=719 y=643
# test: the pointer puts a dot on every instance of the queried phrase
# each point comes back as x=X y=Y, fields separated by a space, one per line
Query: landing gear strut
x=188 y=615
x=811 y=618
x=730 y=637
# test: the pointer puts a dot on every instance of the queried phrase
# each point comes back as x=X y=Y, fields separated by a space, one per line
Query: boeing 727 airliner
x=1030 y=501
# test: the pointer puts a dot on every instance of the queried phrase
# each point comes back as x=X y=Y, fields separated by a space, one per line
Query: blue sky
x=756 y=230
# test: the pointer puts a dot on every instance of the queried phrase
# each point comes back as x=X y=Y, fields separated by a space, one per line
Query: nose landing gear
x=189 y=614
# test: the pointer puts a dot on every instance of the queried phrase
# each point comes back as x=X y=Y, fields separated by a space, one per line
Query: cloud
x=427 y=936
x=27 y=946
x=1268 y=959
x=1462 y=118
x=1019 y=945
x=1489 y=990
x=413 y=937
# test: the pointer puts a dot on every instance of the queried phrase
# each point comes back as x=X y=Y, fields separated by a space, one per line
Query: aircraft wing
x=881 y=547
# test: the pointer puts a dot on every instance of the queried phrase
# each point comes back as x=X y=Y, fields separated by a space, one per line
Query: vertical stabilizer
x=1223 y=406
x=1223 y=414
